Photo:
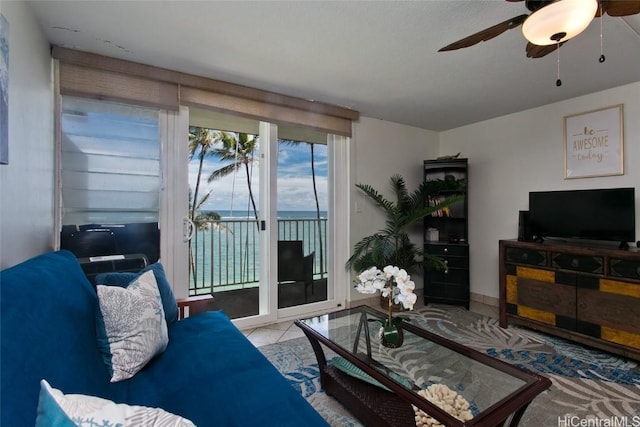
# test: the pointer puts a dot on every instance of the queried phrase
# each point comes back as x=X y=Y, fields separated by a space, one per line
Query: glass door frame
x=338 y=279
x=174 y=198
x=336 y=295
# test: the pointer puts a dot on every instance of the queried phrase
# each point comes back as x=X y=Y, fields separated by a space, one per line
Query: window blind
x=110 y=162
x=101 y=77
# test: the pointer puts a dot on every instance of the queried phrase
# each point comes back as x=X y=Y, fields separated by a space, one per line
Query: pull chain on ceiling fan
x=602 y=58
x=559 y=36
x=558 y=81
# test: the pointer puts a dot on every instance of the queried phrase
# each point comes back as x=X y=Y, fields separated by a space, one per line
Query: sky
x=295 y=185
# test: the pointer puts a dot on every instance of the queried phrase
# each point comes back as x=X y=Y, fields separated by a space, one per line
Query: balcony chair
x=294 y=266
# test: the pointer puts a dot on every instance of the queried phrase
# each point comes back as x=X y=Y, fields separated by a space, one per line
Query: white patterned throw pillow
x=60 y=410
x=132 y=329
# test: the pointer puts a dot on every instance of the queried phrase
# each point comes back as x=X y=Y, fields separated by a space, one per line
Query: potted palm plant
x=391 y=245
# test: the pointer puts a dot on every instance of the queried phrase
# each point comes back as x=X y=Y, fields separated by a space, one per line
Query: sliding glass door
x=224 y=197
x=259 y=204
x=302 y=216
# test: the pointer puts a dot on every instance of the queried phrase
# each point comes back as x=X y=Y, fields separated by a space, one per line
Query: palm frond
x=224 y=171
x=203 y=199
x=378 y=198
x=372 y=243
x=420 y=213
x=399 y=188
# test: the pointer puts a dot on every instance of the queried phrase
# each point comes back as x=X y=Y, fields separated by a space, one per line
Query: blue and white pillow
x=131 y=326
x=123 y=279
x=71 y=410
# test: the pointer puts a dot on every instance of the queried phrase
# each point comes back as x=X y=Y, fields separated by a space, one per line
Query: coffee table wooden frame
x=375 y=406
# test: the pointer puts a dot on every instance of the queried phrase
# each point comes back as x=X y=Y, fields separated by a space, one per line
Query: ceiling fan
x=551 y=23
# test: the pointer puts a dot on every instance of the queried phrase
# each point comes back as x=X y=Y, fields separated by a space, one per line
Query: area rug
x=589 y=386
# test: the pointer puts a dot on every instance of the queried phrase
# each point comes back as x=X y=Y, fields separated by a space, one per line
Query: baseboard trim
x=485 y=299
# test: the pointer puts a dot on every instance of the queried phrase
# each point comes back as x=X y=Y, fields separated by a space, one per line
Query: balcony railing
x=225 y=254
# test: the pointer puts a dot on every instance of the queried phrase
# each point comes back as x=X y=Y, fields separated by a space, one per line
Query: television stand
x=586 y=293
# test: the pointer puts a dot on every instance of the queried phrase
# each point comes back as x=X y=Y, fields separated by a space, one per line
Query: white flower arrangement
x=392 y=282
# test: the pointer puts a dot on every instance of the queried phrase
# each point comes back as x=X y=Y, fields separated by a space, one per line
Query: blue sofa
x=210 y=373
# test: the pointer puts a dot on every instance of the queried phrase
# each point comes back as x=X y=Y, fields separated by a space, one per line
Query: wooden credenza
x=587 y=294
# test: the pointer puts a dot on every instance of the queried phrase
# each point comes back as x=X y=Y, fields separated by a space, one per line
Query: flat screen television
x=602 y=214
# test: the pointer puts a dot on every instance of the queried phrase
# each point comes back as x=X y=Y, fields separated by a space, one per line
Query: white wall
x=27 y=182
x=379 y=150
x=515 y=154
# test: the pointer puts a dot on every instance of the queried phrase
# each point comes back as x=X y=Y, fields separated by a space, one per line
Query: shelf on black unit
x=450 y=286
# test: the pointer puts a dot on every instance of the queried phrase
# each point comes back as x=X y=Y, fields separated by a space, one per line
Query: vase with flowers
x=395 y=286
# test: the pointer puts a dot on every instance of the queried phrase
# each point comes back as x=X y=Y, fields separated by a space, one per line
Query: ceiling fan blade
x=486 y=34
x=535 y=51
x=621 y=7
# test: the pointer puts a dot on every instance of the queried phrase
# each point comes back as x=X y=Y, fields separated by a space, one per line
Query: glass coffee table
x=379 y=385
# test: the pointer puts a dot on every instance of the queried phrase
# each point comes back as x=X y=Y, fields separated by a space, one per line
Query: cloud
x=294 y=183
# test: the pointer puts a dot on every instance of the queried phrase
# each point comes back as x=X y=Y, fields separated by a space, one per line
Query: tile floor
x=284 y=331
x=273 y=333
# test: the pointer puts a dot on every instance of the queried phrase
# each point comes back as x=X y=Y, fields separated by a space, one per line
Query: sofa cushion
x=71 y=410
x=131 y=325
x=169 y=303
x=48 y=330
x=219 y=378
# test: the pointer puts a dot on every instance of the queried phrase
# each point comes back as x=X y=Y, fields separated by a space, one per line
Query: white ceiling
x=377 y=57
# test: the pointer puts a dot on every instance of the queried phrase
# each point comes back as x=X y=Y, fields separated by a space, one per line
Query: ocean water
x=226 y=255
x=226 y=214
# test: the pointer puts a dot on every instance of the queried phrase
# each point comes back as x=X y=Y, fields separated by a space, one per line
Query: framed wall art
x=593 y=143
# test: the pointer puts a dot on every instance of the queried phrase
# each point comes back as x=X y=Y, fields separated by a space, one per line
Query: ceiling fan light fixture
x=559 y=21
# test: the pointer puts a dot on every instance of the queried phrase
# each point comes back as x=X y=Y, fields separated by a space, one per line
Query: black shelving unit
x=446 y=235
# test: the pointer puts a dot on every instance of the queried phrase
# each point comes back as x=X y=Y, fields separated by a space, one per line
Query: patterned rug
x=589 y=386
